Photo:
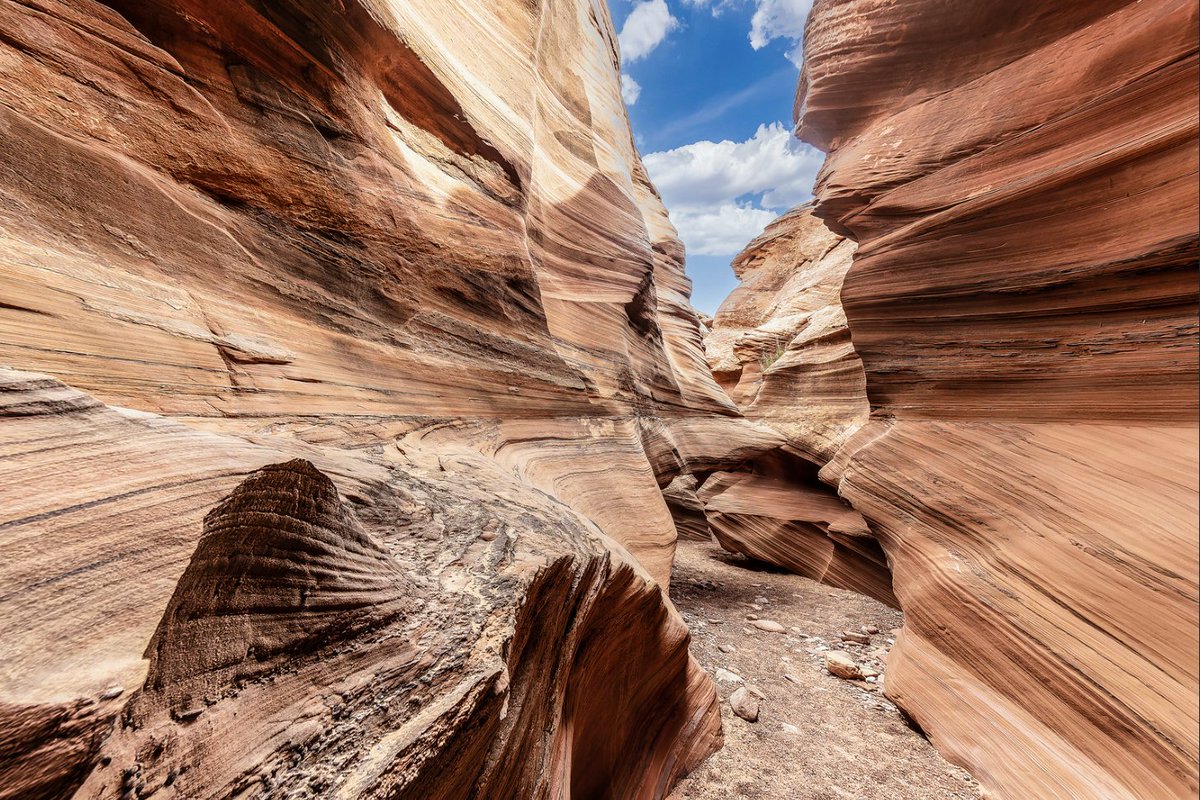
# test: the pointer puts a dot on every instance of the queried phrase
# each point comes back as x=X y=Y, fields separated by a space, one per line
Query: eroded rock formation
x=780 y=347
x=779 y=343
x=1021 y=181
x=349 y=350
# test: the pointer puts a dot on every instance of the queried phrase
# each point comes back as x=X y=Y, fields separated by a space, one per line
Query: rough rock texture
x=779 y=344
x=406 y=254
x=1021 y=179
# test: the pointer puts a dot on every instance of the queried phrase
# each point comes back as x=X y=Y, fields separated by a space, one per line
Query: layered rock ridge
x=348 y=353
x=1021 y=182
x=779 y=344
x=780 y=347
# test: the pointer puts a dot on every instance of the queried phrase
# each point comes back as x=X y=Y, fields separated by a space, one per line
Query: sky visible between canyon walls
x=709 y=85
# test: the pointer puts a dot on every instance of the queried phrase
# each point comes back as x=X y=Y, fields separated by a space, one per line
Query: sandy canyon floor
x=817 y=737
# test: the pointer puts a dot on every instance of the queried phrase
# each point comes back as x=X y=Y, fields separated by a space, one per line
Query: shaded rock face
x=348 y=357
x=799 y=525
x=687 y=509
x=1020 y=179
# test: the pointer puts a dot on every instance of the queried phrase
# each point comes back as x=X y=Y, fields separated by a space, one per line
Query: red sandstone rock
x=779 y=343
x=1021 y=181
x=780 y=346
x=687 y=510
x=427 y=279
x=805 y=529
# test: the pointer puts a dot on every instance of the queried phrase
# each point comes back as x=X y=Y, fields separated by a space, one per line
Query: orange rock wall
x=406 y=252
x=1021 y=180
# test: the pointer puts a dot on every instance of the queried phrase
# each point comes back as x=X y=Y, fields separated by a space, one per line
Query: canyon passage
x=359 y=438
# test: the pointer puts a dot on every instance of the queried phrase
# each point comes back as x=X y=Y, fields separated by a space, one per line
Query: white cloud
x=630 y=89
x=717 y=6
x=705 y=186
x=773 y=19
x=778 y=19
x=645 y=28
x=772 y=162
x=720 y=231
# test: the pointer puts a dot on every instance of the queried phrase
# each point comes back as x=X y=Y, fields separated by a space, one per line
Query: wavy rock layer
x=779 y=343
x=780 y=347
x=407 y=253
x=805 y=529
x=1021 y=179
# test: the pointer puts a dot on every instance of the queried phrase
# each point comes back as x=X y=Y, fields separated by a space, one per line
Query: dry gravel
x=817 y=737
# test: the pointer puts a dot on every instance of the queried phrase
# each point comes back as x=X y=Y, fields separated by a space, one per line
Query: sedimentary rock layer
x=1021 y=179
x=406 y=253
x=779 y=344
x=687 y=509
x=780 y=347
x=802 y=528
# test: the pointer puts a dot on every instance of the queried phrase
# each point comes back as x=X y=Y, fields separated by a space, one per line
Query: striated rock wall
x=780 y=347
x=348 y=351
x=779 y=343
x=1021 y=180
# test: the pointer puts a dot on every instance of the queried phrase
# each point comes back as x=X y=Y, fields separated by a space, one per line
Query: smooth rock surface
x=405 y=257
x=1021 y=180
x=745 y=704
x=801 y=526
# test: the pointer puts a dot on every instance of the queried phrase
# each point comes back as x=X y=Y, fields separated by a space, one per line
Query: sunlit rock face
x=780 y=347
x=349 y=350
x=779 y=343
x=1021 y=181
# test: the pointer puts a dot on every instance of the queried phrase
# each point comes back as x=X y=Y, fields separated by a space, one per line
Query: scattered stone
x=748 y=631
x=793 y=678
x=789 y=728
x=768 y=625
x=714 y=621
x=854 y=636
x=727 y=648
x=725 y=676
x=870 y=630
x=744 y=704
x=751 y=616
x=111 y=692
x=840 y=664
x=762 y=601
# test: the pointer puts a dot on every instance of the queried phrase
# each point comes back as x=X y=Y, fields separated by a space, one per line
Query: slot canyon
x=359 y=438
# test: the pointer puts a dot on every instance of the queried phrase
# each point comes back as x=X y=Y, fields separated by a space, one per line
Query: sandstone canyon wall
x=1021 y=182
x=780 y=347
x=348 y=349
x=779 y=343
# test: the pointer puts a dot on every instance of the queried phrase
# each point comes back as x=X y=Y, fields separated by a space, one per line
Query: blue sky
x=709 y=85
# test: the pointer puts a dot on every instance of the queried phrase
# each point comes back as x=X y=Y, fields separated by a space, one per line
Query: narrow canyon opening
x=786 y=590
